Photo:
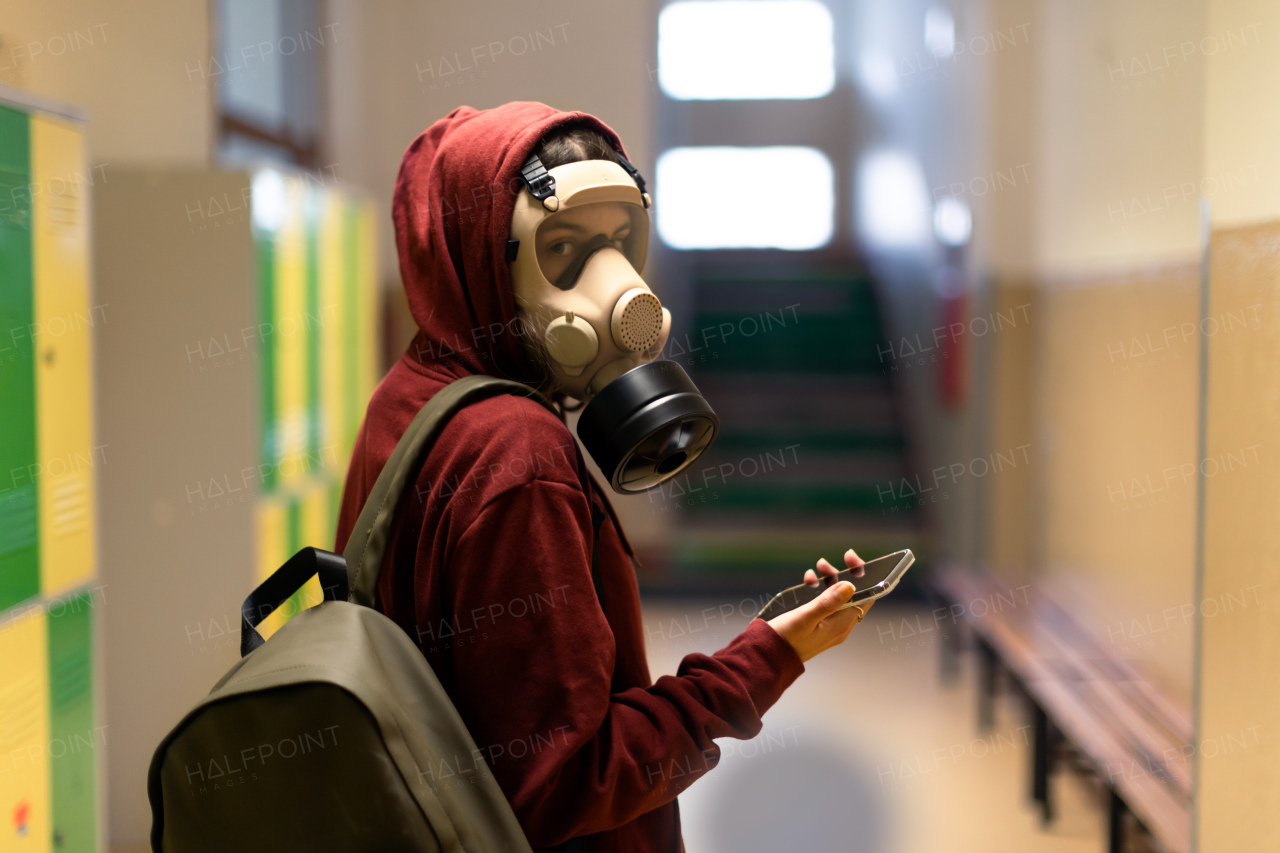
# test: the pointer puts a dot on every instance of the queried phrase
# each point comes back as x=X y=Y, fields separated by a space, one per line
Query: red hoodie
x=488 y=567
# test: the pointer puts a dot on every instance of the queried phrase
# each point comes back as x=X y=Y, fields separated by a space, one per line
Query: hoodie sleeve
x=534 y=685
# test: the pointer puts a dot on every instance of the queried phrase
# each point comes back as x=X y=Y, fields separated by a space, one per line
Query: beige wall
x=1120 y=138
x=1008 y=520
x=176 y=570
x=1238 y=778
x=1116 y=397
x=1005 y=101
x=132 y=66
x=1144 y=111
x=390 y=74
x=1106 y=254
x=1241 y=123
x=1239 y=699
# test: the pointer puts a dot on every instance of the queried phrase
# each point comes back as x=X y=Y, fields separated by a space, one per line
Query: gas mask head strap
x=635 y=176
x=541 y=184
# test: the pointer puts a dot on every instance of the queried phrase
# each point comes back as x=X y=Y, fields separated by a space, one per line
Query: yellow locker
x=316 y=530
x=25 y=783
x=63 y=323
x=273 y=548
x=273 y=534
x=333 y=322
x=370 y=306
x=290 y=334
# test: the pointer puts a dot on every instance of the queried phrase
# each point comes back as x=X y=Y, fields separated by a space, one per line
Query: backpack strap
x=368 y=542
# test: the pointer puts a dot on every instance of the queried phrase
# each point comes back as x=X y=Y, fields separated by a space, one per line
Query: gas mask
x=579 y=236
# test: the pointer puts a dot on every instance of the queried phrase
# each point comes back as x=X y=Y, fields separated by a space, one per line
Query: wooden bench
x=1136 y=739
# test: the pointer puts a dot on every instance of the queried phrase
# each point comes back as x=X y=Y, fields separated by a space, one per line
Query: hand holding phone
x=870 y=580
x=817 y=626
x=820 y=613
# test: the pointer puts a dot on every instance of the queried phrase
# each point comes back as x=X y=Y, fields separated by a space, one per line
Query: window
x=720 y=197
x=746 y=49
x=267 y=71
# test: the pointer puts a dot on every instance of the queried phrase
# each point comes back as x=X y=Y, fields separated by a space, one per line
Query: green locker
x=19 y=522
x=74 y=736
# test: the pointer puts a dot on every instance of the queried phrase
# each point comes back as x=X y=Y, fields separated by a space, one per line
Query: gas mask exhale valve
x=579 y=236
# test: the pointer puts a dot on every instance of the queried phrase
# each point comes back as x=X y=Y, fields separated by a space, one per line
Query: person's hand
x=819 y=625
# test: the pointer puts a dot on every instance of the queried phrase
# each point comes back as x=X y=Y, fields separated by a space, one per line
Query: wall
x=1146 y=112
x=395 y=70
x=182 y=430
x=1102 y=245
x=1081 y=162
x=136 y=68
x=1116 y=400
x=1238 y=779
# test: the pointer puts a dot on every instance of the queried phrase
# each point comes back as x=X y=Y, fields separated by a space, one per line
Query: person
x=489 y=569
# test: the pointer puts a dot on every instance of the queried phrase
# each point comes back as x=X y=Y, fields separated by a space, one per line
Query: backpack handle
x=283 y=583
x=368 y=541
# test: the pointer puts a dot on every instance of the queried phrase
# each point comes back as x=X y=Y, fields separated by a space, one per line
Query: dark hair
x=570 y=143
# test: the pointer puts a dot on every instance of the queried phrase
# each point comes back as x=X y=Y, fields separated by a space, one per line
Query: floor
x=869 y=752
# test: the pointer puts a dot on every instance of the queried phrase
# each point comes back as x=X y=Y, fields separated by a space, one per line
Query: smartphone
x=879 y=577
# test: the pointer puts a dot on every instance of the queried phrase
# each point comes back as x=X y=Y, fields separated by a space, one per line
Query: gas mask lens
x=566 y=240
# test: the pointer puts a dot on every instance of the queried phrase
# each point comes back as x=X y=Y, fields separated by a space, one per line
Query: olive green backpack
x=335 y=734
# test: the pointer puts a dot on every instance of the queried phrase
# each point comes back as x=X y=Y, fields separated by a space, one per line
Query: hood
x=452 y=208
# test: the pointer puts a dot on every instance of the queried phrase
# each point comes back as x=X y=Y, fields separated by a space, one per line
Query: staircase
x=811 y=450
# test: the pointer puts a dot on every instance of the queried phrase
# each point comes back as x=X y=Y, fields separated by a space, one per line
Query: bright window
x=713 y=197
x=745 y=49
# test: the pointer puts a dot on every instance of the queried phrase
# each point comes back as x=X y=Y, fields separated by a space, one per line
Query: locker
x=61 y=327
x=25 y=785
x=19 y=522
x=75 y=738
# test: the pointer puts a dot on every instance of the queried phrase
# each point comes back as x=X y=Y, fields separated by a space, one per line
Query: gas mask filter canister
x=579 y=236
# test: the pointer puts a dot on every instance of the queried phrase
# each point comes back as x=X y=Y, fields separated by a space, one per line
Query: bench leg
x=1115 y=824
x=949 y=653
x=949 y=656
x=1041 y=761
x=988 y=672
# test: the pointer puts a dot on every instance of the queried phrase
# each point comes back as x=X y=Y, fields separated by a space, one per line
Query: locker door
x=370 y=303
x=333 y=352
x=19 y=528
x=289 y=340
x=74 y=736
x=61 y=337
x=24 y=736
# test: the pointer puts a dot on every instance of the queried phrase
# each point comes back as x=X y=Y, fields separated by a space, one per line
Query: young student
x=490 y=568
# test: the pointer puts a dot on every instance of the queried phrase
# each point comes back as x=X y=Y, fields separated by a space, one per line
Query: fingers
x=825 y=568
x=831 y=600
x=858 y=609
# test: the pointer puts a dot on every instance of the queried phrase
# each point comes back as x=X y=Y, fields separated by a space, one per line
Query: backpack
x=335 y=734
